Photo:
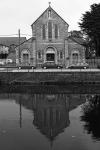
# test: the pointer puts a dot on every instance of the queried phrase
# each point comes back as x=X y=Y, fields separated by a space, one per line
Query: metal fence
x=93 y=62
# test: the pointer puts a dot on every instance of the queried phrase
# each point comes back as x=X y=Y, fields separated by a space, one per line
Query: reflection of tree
x=91 y=115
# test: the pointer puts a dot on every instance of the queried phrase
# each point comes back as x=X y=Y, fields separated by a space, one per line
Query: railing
x=94 y=63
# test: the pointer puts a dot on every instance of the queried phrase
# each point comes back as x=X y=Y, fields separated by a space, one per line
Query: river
x=48 y=119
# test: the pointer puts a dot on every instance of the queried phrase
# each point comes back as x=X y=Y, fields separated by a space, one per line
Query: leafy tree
x=91 y=116
x=90 y=25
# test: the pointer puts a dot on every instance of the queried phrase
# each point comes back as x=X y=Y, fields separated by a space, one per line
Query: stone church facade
x=50 y=43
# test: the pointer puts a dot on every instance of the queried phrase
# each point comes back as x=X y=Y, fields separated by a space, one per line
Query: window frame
x=43 y=31
x=49 y=13
x=50 y=35
x=61 y=55
x=39 y=55
x=56 y=31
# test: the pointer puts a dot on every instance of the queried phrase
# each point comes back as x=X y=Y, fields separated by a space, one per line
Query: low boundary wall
x=50 y=77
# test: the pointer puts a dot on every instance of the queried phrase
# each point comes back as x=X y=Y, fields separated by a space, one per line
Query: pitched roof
x=7 y=41
x=25 y=43
x=78 y=40
x=49 y=8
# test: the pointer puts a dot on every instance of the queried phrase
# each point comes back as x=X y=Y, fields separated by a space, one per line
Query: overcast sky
x=15 y=14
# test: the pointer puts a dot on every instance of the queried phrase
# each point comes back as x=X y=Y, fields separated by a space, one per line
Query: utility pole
x=19 y=47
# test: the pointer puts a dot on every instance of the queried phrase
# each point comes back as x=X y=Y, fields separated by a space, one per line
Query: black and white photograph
x=50 y=75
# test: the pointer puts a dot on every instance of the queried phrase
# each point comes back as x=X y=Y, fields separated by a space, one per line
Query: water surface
x=49 y=121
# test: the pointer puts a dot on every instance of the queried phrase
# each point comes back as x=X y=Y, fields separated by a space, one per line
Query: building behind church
x=50 y=43
x=7 y=47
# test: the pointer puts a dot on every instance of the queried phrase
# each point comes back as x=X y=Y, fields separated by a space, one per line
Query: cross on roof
x=49 y=3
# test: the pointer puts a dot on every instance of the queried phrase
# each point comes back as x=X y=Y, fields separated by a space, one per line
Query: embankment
x=49 y=77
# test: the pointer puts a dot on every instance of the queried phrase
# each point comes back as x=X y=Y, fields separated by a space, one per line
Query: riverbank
x=48 y=76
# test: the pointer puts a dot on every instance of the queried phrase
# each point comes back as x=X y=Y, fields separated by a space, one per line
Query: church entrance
x=50 y=55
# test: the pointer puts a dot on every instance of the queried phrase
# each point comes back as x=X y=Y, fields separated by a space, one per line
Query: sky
x=20 y=14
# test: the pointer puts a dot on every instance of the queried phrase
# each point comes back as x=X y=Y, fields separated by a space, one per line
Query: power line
x=15 y=34
x=9 y=35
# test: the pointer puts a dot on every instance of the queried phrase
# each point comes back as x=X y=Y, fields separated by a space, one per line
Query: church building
x=50 y=43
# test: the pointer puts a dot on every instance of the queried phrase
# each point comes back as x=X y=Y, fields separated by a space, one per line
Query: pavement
x=48 y=70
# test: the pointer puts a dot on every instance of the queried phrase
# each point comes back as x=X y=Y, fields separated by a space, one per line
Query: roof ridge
x=75 y=40
x=45 y=11
x=23 y=42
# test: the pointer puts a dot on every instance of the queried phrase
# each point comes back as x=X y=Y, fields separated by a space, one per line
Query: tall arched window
x=49 y=14
x=39 y=55
x=43 y=31
x=50 y=30
x=75 y=58
x=61 y=55
x=25 y=57
x=56 y=31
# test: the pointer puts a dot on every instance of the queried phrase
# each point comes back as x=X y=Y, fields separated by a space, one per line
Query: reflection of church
x=51 y=111
x=50 y=43
x=51 y=114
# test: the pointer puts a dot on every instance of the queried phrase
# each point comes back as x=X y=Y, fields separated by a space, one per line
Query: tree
x=91 y=115
x=90 y=25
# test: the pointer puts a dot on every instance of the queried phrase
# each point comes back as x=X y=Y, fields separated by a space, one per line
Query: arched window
x=25 y=57
x=49 y=14
x=75 y=58
x=43 y=31
x=56 y=31
x=61 y=55
x=39 y=55
x=50 y=30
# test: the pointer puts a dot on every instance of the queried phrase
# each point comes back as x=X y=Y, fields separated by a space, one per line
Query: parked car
x=98 y=66
x=51 y=66
x=9 y=61
x=80 y=66
x=2 y=62
x=26 y=67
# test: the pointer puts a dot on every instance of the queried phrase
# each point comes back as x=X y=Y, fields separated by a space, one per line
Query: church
x=50 y=43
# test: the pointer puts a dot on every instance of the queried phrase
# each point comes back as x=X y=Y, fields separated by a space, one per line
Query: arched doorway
x=25 y=57
x=50 y=55
x=75 y=58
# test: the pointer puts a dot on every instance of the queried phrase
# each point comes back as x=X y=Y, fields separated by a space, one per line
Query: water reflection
x=49 y=116
x=51 y=111
x=91 y=115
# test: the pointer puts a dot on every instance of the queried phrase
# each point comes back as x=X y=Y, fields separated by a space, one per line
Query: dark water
x=48 y=120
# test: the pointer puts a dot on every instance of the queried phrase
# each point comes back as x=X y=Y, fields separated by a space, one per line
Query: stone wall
x=50 y=77
x=75 y=47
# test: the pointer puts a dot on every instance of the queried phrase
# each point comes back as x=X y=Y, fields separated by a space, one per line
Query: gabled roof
x=49 y=8
x=78 y=40
x=25 y=43
x=8 y=41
